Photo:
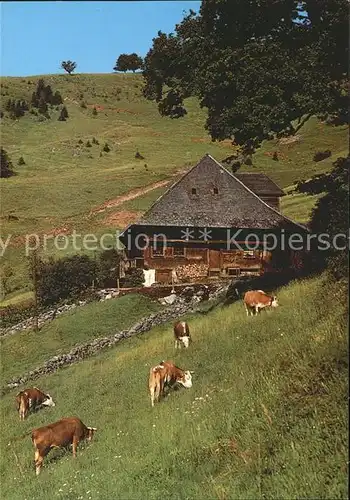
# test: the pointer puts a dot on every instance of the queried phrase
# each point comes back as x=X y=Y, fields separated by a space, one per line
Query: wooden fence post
x=35 y=286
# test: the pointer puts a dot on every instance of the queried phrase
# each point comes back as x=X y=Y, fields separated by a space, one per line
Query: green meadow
x=266 y=416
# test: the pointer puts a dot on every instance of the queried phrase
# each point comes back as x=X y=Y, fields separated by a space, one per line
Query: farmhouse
x=205 y=225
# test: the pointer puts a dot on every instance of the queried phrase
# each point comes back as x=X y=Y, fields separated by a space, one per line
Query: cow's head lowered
x=185 y=379
x=274 y=301
x=48 y=401
x=90 y=433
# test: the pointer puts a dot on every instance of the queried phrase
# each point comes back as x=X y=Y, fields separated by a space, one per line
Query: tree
x=69 y=66
x=128 y=62
x=260 y=68
x=21 y=161
x=330 y=215
x=6 y=273
x=6 y=167
x=57 y=99
x=42 y=107
x=135 y=62
x=63 y=115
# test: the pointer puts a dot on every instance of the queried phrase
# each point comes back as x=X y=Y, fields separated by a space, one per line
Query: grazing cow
x=59 y=434
x=166 y=373
x=256 y=300
x=31 y=399
x=182 y=334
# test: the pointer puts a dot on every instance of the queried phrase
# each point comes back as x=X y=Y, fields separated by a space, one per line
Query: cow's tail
x=18 y=438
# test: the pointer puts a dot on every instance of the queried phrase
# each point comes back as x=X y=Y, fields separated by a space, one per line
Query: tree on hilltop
x=128 y=62
x=68 y=66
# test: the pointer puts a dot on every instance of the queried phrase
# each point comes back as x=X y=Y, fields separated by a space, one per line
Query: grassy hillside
x=64 y=183
x=28 y=349
x=266 y=416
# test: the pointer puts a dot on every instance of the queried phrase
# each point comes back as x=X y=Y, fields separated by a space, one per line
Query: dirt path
x=131 y=195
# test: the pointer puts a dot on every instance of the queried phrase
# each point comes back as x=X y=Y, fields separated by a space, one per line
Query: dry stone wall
x=183 y=305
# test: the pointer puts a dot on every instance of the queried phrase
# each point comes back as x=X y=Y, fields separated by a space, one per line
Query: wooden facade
x=199 y=263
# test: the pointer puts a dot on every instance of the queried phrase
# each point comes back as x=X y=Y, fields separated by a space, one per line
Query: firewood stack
x=193 y=271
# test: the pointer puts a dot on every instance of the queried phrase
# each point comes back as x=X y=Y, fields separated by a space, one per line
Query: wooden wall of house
x=201 y=262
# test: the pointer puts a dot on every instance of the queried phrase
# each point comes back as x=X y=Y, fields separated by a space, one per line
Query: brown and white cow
x=182 y=334
x=167 y=374
x=65 y=432
x=31 y=399
x=256 y=300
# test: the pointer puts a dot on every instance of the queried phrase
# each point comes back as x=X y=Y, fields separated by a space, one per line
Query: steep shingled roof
x=220 y=199
x=260 y=184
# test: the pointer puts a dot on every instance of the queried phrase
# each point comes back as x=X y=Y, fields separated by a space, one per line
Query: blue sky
x=37 y=36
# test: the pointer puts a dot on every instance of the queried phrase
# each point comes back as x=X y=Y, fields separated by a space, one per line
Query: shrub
x=88 y=144
x=139 y=156
x=13 y=314
x=95 y=141
x=83 y=105
x=64 y=278
x=21 y=161
x=275 y=156
x=80 y=141
x=322 y=155
x=94 y=112
x=133 y=278
x=106 y=148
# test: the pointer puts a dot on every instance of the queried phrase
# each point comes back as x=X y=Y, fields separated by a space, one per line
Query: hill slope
x=65 y=184
x=265 y=418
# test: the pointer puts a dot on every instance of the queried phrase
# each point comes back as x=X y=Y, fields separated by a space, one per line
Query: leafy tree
x=135 y=62
x=42 y=107
x=260 y=68
x=56 y=99
x=6 y=167
x=6 y=273
x=128 y=62
x=330 y=215
x=65 y=278
x=107 y=271
x=69 y=66
x=63 y=115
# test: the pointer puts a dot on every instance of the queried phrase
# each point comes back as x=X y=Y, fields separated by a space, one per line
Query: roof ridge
x=258 y=197
x=173 y=185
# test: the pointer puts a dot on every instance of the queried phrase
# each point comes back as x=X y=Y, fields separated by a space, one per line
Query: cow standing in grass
x=182 y=334
x=30 y=400
x=167 y=374
x=65 y=432
x=256 y=300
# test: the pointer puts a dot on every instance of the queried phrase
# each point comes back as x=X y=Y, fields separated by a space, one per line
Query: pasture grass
x=266 y=416
x=26 y=350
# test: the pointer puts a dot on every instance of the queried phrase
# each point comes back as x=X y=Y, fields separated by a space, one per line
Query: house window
x=194 y=191
x=179 y=251
x=215 y=191
x=158 y=249
x=248 y=254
